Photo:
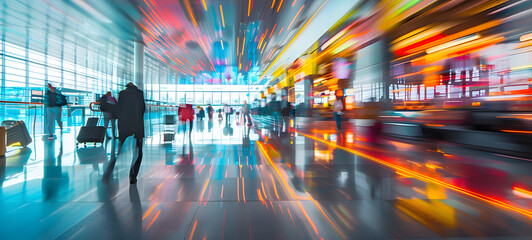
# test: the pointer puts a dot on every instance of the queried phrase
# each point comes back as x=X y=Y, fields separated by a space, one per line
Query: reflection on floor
x=300 y=181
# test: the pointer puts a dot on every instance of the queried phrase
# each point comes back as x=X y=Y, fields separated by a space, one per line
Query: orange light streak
x=149 y=211
x=280 y=4
x=523 y=191
x=517 y=131
x=193 y=230
x=189 y=10
x=260 y=195
x=434 y=125
x=273 y=3
x=204 y=5
x=294 y=3
x=243 y=45
x=204 y=189
x=289 y=213
x=262 y=185
x=273 y=30
x=238 y=189
x=243 y=190
x=425 y=178
x=281 y=31
x=153 y=220
x=222 y=194
x=222 y=14
x=237 y=45
x=249 y=6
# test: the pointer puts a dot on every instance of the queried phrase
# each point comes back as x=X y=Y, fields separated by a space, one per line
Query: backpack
x=61 y=100
x=104 y=106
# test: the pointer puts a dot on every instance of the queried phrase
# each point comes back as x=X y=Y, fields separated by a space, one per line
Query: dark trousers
x=135 y=165
x=338 y=120
x=248 y=120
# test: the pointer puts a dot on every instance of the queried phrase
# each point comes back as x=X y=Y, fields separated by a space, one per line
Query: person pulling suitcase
x=108 y=107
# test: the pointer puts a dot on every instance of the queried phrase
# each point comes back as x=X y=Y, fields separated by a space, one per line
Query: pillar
x=139 y=64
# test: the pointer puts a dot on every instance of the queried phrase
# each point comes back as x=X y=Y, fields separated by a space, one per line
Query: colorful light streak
x=249 y=7
x=526 y=37
x=280 y=4
x=222 y=14
x=293 y=19
x=424 y=177
x=292 y=193
x=452 y=43
x=293 y=39
x=204 y=5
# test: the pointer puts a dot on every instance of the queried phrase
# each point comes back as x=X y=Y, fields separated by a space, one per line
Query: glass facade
x=39 y=45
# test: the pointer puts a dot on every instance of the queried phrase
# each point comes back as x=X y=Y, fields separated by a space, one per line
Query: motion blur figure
x=186 y=114
x=285 y=113
x=210 y=111
x=108 y=105
x=53 y=110
x=245 y=113
x=227 y=111
x=131 y=107
x=275 y=110
x=338 y=107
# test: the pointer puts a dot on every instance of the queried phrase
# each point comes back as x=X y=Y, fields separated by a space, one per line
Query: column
x=139 y=64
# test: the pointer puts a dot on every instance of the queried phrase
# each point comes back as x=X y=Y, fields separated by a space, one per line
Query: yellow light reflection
x=222 y=14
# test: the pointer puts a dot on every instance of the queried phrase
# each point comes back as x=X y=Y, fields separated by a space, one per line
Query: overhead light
x=95 y=13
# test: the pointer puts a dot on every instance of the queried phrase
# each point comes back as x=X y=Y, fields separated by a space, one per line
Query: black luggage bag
x=17 y=131
x=91 y=134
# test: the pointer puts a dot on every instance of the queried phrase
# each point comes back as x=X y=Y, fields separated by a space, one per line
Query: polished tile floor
x=229 y=181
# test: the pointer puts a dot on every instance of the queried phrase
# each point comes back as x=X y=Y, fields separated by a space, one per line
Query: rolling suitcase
x=91 y=134
x=169 y=133
x=17 y=131
x=92 y=122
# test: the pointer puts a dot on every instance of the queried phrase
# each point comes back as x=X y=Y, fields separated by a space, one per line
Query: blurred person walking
x=186 y=114
x=53 y=102
x=210 y=111
x=275 y=107
x=108 y=106
x=245 y=113
x=131 y=108
x=285 y=113
x=338 y=107
x=227 y=111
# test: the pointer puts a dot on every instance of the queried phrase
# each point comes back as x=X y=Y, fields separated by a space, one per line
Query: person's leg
x=190 y=129
x=113 y=127
x=106 y=119
x=58 y=118
x=338 y=120
x=121 y=141
x=135 y=166
x=50 y=121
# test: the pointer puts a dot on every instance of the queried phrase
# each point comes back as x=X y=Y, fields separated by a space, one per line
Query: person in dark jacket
x=131 y=107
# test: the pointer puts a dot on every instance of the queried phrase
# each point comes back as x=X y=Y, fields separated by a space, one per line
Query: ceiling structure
x=218 y=40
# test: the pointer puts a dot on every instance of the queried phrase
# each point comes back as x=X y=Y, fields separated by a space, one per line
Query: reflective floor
x=302 y=180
